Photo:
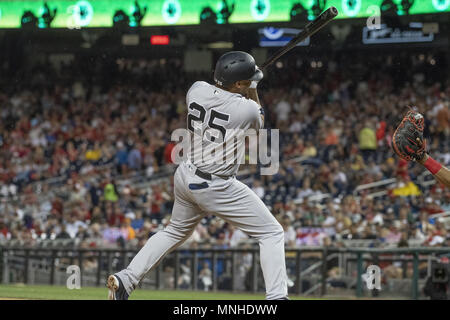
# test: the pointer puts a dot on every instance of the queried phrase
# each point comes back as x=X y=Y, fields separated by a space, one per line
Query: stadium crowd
x=72 y=136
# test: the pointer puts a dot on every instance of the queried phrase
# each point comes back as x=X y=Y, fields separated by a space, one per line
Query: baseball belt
x=208 y=176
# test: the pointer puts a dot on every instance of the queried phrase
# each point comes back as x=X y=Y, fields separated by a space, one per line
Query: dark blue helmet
x=234 y=66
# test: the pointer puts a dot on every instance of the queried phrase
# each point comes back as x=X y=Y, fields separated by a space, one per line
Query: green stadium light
x=100 y=13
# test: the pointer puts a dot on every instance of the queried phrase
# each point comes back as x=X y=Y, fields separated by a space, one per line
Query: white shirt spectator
x=195 y=237
x=290 y=236
x=283 y=109
x=378 y=219
x=445 y=158
x=437 y=240
x=72 y=228
x=329 y=221
x=4 y=190
x=259 y=190
x=305 y=193
x=340 y=177
x=296 y=126
x=237 y=237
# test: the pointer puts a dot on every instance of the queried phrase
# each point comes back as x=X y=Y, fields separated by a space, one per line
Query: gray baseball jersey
x=215 y=113
x=219 y=120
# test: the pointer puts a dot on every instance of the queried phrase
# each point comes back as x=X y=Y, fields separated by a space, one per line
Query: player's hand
x=407 y=141
x=254 y=83
x=425 y=156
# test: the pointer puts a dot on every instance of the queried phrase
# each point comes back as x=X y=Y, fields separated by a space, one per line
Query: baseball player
x=201 y=188
x=409 y=144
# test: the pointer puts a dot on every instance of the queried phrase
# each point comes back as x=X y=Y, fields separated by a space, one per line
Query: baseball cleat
x=116 y=289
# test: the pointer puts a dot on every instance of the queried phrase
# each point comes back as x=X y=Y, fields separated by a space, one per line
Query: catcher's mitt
x=407 y=141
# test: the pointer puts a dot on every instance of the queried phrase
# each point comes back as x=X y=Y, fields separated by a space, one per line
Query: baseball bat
x=310 y=29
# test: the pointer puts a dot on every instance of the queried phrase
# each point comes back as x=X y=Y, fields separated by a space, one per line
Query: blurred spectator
x=205 y=277
x=289 y=232
x=63 y=234
x=134 y=159
x=137 y=222
x=368 y=141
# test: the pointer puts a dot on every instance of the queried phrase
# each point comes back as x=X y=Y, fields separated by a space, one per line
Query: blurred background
x=90 y=92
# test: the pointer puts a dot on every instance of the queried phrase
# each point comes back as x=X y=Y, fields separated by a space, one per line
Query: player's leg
x=164 y=241
x=236 y=203
x=185 y=216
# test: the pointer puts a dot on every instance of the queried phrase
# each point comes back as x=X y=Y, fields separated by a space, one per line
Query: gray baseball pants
x=228 y=199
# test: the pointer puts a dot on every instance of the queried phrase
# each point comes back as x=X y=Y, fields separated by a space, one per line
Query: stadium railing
x=382 y=183
x=306 y=265
x=426 y=179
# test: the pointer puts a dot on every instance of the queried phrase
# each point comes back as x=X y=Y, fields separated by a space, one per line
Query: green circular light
x=220 y=19
x=171 y=11
x=83 y=13
x=133 y=23
x=441 y=5
x=260 y=9
x=41 y=23
x=351 y=7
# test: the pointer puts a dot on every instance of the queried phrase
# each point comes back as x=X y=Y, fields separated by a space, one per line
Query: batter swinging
x=211 y=188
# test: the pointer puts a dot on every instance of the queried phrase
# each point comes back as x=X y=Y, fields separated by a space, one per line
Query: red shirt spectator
x=3 y=229
x=402 y=168
x=381 y=131
x=168 y=152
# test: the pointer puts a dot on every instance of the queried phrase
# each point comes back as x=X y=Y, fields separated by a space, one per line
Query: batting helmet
x=235 y=66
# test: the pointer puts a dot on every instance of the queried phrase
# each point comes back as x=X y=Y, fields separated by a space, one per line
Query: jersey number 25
x=201 y=117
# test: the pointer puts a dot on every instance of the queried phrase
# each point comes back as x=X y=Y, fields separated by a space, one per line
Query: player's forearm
x=253 y=94
x=441 y=173
x=443 y=176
